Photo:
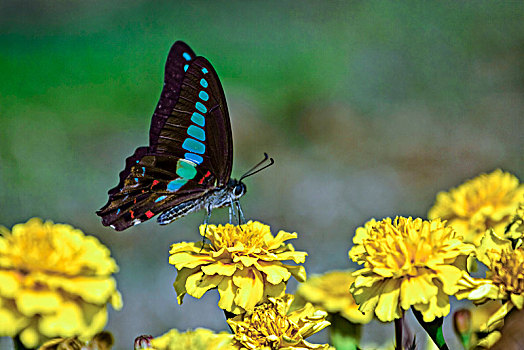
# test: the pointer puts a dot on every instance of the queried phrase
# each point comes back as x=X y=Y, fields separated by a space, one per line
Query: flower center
x=268 y=325
x=248 y=235
x=508 y=272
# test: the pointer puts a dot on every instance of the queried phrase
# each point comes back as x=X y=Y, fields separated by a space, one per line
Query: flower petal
x=197 y=284
x=31 y=302
x=388 y=307
x=180 y=282
x=275 y=272
x=250 y=288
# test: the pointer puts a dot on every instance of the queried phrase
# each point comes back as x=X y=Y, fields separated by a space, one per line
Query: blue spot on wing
x=201 y=107
x=203 y=82
x=186 y=56
x=198 y=119
x=194 y=146
x=196 y=132
x=175 y=184
x=205 y=71
x=161 y=198
x=193 y=158
x=203 y=95
x=186 y=67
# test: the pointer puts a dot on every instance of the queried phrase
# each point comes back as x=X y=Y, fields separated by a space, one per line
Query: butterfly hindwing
x=190 y=149
x=151 y=188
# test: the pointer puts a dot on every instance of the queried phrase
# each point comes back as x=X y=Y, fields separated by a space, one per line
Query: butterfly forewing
x=219 y=138
x=177 y=63
x=190 y=149
x=199 y=128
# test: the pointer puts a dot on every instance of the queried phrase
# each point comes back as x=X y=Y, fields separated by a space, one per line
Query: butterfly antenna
x=256 y=168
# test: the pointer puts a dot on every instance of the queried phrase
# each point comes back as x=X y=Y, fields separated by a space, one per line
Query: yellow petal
x=227 y=291
x=245 y=260
x=188 y=260
x=67 y=322
x=297 y=257
x=275 y=290
x=96 y=323
x=31 y=302
x=29 y=337
x=116 y=300
x=197 y=284
x=438 y=306
x=250 y=288
x=11 y=324
x=9 y=284
x=492 y=241
x=299 y=272
x=488 y=341
x=180 y=282
x=496 y=320
x=388 y=307
x=517 y=300
x=275 y=272
x=281 y=237
x=220 y=267
x=449 y=275
x=92 y=290
x=419 y=289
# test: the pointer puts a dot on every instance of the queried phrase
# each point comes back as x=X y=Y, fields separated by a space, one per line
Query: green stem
x=344 y=334
x=465 y=340
x=398 y=333
x=433 y=328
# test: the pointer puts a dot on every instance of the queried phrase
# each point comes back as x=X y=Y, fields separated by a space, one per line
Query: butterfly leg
x=232 y=211
x=240 y=213
x=206 y=221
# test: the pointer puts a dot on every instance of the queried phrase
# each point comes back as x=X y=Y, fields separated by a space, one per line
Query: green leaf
x=433 y=328
x=344 y=334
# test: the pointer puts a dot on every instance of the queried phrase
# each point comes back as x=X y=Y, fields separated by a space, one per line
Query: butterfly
x=187 y=165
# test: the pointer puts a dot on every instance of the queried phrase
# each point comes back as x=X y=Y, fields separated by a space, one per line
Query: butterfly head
x=236 y=189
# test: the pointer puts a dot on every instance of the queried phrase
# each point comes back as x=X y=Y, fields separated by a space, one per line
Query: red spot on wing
x=202 y=179
x=155 y=182
x=132 y=214
x=149 y=214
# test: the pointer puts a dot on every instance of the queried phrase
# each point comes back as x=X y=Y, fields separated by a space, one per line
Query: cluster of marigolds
x=56 y=282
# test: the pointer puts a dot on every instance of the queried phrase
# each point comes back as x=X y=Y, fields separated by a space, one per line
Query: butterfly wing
x=178 y=60
x=190 y=149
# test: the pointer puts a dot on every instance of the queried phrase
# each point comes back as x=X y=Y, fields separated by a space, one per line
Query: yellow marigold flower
x=271 y=326
x=244 y=262
x=487 y=201
x=63 y=344
x=54 y=282
x=330 y=292
x=515 y=230
x=101 y=341
x=407 y=262
x=198 y=339
x=504 y=281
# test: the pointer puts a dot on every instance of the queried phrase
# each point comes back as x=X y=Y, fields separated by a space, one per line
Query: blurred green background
x=369 y=109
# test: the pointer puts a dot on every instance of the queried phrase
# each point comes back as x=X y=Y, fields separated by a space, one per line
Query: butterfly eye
x=239 y=190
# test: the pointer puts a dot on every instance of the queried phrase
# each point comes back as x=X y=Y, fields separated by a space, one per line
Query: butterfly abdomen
x=217 y=198
x=180 y=210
